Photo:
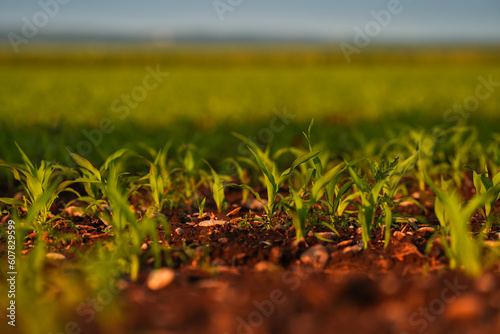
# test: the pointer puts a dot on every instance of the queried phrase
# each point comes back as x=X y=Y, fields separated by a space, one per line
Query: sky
x=328 y=20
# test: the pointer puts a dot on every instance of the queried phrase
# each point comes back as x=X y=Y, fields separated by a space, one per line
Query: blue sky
x=419 y=20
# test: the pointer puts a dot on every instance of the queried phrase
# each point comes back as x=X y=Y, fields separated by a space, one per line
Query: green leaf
x=84 y=163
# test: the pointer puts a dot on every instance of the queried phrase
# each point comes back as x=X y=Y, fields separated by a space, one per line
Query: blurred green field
x=48 y=99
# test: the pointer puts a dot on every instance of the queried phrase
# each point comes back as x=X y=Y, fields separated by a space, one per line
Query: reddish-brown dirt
x=246 y=278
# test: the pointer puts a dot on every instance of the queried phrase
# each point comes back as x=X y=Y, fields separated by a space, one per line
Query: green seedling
x=40 y=188
x=273 y=179
x=217 y=190
x=483 y=184
x=462 y=249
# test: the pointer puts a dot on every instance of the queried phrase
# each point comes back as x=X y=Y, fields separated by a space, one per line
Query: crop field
x=250 y=190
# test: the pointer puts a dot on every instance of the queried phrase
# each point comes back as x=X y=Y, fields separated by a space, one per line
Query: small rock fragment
x=316 y=256
x=328 y=235
x=158 y=279
x=345 y=243
x=398 y=235
x=233 y=212
x=352 y=249
x=359 y=230
x=279 y=227
x=485 y=283
x=55 y=256
x=465 y=307
x=179 y=231
x=223 y=240
x=208 y=223
x=426 y=229
x=266 y=266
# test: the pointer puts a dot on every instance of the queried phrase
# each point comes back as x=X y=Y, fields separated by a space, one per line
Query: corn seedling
x=462 y=249
x=483 y=184
x=273 y=179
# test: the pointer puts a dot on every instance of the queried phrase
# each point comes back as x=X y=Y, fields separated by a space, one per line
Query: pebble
x=465 y=307
x=426 y=229
x=223 y=240
x=398 y=235
x=485 y=283
x=359 y=230
x=345 y=243
x=328 y=235
x=279 y=227
x=266 y=266
x=55 y=256
x=352 y=249
x=208 y=223
x=179 y=231
x=316 y=256
x=158 y=279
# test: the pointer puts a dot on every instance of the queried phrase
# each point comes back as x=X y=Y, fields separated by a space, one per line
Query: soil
x=243 y=277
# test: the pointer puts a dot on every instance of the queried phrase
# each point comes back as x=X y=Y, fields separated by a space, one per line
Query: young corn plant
x=304 y=199
x=369 y=203
x=386 y=177
x=462 y=249
x=483 y=184
x=273 y=179
x=129 y=233
x=40 y=189
x=217 y=190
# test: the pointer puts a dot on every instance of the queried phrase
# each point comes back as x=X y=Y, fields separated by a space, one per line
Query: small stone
x=266 y=266
x=55 y=256
x=465 y=307
x=352 y=249
x=179 y=231
x=233 y=212
x=158 y=279
x=485 y=283
x=398 y=235
x=208 y=223
x=223 y=240
x=144 y=246
x=316 y=256
x=345 y=243
x=412 y=220
x=279 y=227
x=426 y=229
x=359 y=230
x=328 y=235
